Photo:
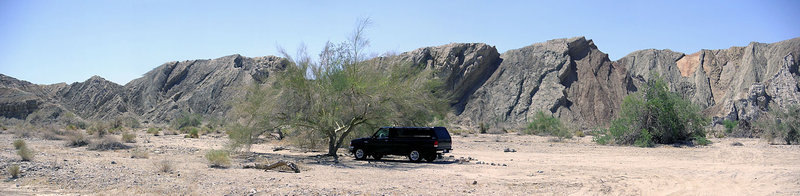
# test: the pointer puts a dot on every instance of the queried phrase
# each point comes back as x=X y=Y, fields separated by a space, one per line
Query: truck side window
x=382 y=134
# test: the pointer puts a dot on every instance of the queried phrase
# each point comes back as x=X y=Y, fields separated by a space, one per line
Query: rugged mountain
x=197 y=86
x=570 y=78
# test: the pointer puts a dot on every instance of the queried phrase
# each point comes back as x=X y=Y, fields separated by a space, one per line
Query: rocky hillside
x=570 y=78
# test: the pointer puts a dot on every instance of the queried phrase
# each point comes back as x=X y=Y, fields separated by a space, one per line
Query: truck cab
x=417 y=143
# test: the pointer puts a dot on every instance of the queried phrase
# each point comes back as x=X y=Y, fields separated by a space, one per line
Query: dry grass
x=25 y=153
x=107 y=143
x=77 y=139
x=19 y=144
x=129 y=137
x=14 y=171
x=164 y=166
x=139 y=153
x=218 y=158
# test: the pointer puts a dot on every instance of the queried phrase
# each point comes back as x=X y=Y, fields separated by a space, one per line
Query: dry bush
x=164 y=166
x=14 y=171
x=25 y=153
x=153 y=130
x=76 y=139
x=218 y=158
x=19 y=144
x=139 y=153
x=129 y=137
x=52 y=133
x=107 y=143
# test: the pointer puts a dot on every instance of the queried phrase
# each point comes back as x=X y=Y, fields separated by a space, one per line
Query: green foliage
x=580 y=133
x=664 y=116
x=14 y=171
x=644 y=140
x=730 y=125
x=218 y=158
x=781 y=125
x=700 y=140
x=192 y=132
x=18 y=144
x=545 y=124
x=483 y=128
x=129 y=137
x=187 y=120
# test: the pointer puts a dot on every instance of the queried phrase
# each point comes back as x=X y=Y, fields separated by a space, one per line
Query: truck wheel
x=360 y=154
x=377 y=156
x=430 y=157
x=414 y=156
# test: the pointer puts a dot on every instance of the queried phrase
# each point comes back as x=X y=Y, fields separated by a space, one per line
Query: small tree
x=341 y=93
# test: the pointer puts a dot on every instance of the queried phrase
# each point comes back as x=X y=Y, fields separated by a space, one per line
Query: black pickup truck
x=415 y=142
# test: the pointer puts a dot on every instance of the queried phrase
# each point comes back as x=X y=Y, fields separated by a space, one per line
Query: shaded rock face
x=462 y=66
x=566 y=77
x=197 y=86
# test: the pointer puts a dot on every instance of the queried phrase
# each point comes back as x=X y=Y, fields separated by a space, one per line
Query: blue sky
x=47 y=42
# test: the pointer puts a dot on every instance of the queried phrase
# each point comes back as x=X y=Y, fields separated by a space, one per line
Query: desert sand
x=539 y=166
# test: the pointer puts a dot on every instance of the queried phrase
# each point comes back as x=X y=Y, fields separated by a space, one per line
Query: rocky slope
x=570 y=78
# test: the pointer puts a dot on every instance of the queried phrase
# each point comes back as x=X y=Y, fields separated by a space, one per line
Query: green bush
x=14 y=171
x=544 y=124
x=218 y=158
x=193 y=132
x=781 y=125
x=701 y=141
x=128 y=137
x=654 y=115
x=187 y=120
x=730 y=125
x=19 y=144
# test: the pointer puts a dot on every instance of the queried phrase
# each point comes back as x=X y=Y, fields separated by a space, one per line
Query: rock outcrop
x=570 y=78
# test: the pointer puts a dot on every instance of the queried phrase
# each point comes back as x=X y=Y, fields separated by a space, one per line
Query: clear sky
x=47 y=42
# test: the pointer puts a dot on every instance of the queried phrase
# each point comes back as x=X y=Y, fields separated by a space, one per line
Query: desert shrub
x=52 y=133
x=655 y=114
x=483 y=128
x=218 y=158
x=187 y=120
x=698 y=140
x=128 y=137
x=644 y=140
x=544 y=124
x=170 y=132
x=138 y=153
x=164 y=166
x=737 y=144
x=781 y=125
x=580 y=133
x=153 y=130
x=730 y=125
x=106 y=143
x=242 y=137
x=18 y=144
x=98 y=128
x=25 y=153
x=193 y=132
x=77 y=139
x=14 y=171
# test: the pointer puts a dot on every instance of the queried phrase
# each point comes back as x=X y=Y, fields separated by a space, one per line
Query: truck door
x=380 y=142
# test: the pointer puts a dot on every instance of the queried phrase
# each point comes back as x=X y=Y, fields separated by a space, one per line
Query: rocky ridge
x=569 y=78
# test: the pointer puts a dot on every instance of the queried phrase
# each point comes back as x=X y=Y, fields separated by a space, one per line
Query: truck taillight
x=435 y=144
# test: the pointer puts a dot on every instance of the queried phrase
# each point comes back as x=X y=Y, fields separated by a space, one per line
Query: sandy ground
x=538 y=167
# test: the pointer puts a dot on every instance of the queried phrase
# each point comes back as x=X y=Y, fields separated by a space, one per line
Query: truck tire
x=377 y=156
x=359 y=154
x=430 y=157
x=414 y=156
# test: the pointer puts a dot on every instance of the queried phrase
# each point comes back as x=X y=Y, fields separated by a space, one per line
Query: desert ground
x=540 y=166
